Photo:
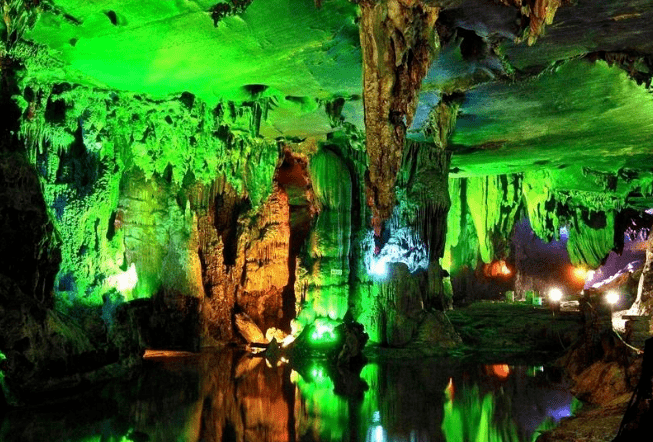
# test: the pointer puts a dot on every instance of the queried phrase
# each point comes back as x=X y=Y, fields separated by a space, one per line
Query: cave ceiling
x=574 y=99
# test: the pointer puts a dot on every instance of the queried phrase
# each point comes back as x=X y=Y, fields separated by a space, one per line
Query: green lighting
x=326 y=413
x=324 y=330
x=469 y=417
x=3 y=383
x=150 y=55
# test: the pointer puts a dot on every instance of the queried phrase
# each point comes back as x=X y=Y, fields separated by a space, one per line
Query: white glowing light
x=125 y=281
x=378 y=268
x=612 y=297
x=378 y=434
x=564 y=232
x=403 y=246
x=287 y=341
x=555 y=294
x=590 y=275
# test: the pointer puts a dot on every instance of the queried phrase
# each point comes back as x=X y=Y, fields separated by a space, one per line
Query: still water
x=228 y=396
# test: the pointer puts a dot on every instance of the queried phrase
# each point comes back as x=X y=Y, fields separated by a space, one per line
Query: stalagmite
x=644 y=303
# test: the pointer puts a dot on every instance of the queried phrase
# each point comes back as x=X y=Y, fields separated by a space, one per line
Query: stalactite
x=539 y=13
x=398 y=40
x=541 y=205
x=493 y=202
x=591 y=237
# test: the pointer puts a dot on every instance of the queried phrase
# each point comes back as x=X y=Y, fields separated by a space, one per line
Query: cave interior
x=181 y=177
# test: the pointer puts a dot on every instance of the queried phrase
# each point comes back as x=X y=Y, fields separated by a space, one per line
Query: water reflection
x=227 y=396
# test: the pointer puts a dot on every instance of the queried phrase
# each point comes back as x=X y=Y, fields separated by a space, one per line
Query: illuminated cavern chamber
x=140 y=221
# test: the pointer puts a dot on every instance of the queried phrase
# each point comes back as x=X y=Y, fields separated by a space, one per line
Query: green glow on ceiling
x=577 y=113
x=162 y=48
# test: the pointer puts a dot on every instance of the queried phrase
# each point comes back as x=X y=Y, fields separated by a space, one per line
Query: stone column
x=644 y=303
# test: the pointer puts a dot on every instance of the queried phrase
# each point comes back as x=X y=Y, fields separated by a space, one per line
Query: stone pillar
x=645 y=287
x=644 y=303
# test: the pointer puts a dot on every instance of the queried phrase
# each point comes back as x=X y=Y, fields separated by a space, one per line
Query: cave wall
x=167 y=200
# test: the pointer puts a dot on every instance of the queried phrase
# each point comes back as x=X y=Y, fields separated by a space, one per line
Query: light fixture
x=555 y=294
x=612 y=297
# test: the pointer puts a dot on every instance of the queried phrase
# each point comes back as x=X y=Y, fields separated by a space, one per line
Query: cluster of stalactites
x=484 y=211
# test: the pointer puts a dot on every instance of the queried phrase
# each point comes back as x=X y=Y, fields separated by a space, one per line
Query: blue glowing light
x=403 y=245
x=564 y=233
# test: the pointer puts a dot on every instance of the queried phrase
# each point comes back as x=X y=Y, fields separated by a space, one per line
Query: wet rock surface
x=591 y=425
x=517 y=329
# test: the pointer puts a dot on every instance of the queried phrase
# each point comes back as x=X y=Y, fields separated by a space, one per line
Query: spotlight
x=612 y=297
x=555 y=295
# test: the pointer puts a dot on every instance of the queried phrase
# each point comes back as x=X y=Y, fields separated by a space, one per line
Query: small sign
x=336 y=272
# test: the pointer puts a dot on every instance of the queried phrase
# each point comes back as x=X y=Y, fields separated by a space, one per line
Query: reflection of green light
x=327 y=414
x=371 y=401
x=468 y=417
x=2 y=373
x=101 y=438
x=3 y=385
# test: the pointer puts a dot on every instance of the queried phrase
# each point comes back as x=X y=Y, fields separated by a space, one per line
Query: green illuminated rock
x=166 y=165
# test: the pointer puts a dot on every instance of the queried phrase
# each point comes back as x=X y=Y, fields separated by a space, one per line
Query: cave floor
x=516 y=331
x=592 y=424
